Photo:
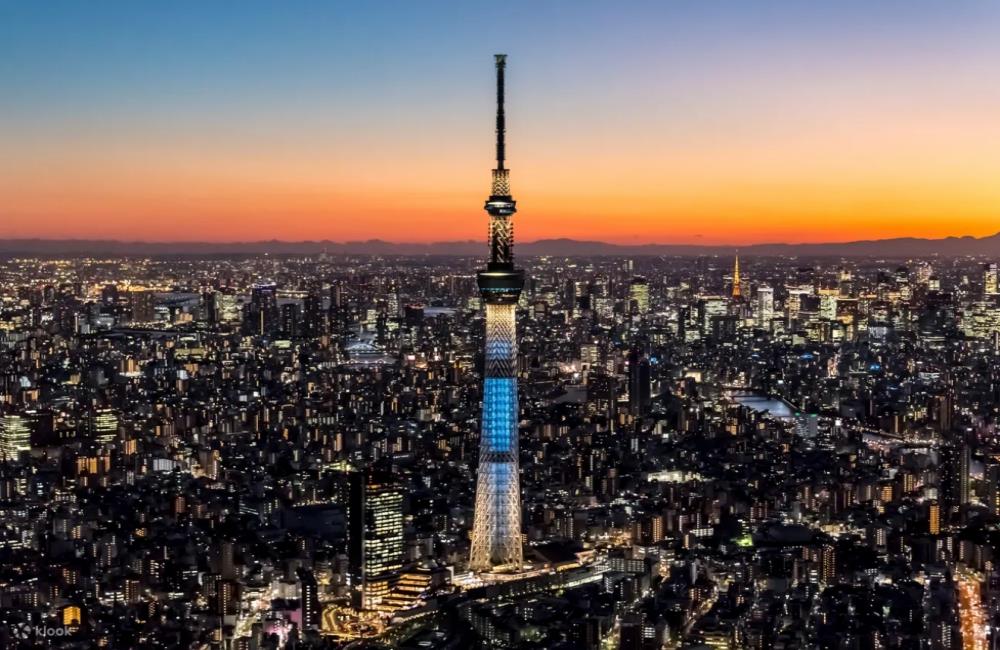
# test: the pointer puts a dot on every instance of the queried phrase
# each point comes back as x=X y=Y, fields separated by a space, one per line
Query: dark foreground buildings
x=812 y=464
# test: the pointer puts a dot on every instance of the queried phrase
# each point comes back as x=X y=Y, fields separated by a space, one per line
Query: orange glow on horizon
x=248 y=211
x=823 y=180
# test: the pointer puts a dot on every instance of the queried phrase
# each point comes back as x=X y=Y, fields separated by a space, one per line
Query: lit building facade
x=15 y=436
x=638 y=293
x=765 y=306
x=375 y=537
x=991 y=279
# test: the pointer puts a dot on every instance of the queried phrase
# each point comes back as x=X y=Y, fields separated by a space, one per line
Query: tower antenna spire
x=501 y=206
x=501 y=63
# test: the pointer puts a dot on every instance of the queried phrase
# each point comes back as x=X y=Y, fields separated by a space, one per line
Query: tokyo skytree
x=496 y=534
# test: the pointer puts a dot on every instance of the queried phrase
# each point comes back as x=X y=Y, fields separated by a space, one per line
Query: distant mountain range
x=889 y=248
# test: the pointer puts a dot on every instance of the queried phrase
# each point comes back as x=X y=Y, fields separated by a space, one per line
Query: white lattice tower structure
x=496 y=533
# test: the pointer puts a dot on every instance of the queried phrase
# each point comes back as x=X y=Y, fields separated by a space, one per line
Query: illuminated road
x=704 y=608
x=970 y=612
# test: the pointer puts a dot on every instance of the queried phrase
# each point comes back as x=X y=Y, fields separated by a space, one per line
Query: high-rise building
x=991 y=279
x=228 y=598
x=765 y=306
x=392 y=301
x=375 y=536
x=934 y=518
x=638 y=295
x=314 y=320
x=710 y=308
x=639 y=387
x=210 y=307
x=142 y=305
x=496 y=533
x=103 y=425
x=228 y=308
x=226 y=560
x=15 y=436
x=828 y=563
x=309 y=600
x=955 y=458
x=262 y=314
x=993 y=489
x=291 y=320
x=828 y=304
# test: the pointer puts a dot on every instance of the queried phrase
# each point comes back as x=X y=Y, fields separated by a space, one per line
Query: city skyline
x=371 y=422
x=649 y=124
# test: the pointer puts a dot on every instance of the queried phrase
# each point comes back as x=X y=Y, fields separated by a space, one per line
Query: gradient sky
x=668 y=121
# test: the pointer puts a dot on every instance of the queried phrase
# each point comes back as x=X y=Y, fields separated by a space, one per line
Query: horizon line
x=376 y=240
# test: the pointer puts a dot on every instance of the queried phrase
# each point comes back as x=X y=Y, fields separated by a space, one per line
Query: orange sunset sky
x=662 y=122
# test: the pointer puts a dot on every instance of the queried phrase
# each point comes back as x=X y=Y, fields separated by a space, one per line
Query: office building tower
x=639 y=386
x=15 y=436
x=261 y=313
x=309 y=600
x=341 y=308
x=496 y=533
x=226 y=560
x=291 y=320
x=103 y=425
x=210 y=307
x=828 y=305
x=992 y=478
x=933 y=518
x=710 y=309
x=227 y=594
x=765 y=306
x=314 y=319
x=227 y=307
x=827 y=563
x=954 y=461
x=375 y=536
x=991 y=280
x=638 y=295
x=392 y=301
x=142 y=306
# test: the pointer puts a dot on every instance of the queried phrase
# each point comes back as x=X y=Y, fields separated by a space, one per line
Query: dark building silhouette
x=261 y=314
x=639 y=382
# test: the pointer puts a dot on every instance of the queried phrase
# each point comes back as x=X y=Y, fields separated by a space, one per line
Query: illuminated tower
x=496 y=533
x=736 y=278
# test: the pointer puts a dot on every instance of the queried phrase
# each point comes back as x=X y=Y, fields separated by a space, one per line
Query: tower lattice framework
x=496 y=533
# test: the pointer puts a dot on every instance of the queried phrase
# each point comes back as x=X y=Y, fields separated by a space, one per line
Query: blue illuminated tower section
x=496 y=533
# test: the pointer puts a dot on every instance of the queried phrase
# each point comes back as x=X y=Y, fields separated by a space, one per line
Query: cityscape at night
x=744 y=394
